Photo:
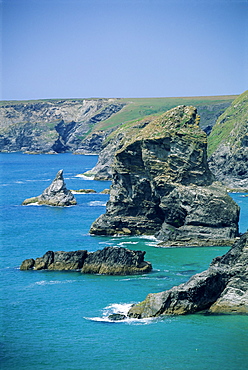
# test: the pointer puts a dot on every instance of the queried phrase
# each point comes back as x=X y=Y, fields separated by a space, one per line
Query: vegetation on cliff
x=228 y=144
x=162 y=185
x=81 y=125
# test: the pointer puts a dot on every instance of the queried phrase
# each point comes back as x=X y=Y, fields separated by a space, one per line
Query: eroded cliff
x=53 y=125
x=223 y=288
x=162 y=185
x=228 y=145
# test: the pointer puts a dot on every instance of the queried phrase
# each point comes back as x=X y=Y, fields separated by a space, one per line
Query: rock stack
x=162 y=185
x=55 y=195
x=108 y=261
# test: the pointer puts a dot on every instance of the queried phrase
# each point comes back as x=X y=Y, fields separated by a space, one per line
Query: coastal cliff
x=223 y=288
x=228 y=145
x=162 y=185
x=83 y=126
x=54 y=126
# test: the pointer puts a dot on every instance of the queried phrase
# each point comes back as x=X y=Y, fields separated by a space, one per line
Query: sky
x=123 y=48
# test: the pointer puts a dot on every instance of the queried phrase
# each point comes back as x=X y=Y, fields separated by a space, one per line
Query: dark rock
x=223 y=288
x=116 y=261
x=56 y=261
x=162 y=185
x=117 y=317
x=109 y=261
x=27 y=264
x=55 y=195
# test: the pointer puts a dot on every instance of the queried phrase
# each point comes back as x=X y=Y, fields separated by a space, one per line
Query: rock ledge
x=108 y=261
x=223 y=288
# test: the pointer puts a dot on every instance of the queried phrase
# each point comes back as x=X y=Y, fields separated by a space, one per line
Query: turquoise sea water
x=57 y=320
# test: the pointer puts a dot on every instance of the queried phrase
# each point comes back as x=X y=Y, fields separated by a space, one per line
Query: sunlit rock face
x=55 y=194
x=222 y=289
x=162 y=185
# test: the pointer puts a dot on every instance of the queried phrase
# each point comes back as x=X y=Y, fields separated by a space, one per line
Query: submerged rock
x=109 y=261
x=162 y=185
x=223 y=288
x=55 y=195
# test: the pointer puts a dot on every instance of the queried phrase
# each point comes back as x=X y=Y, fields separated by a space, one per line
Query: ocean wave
x=38 y=180
x=85 y=177
x=123 y=243
x=97 y=203
x=52 y=282
x=33 y=204
x=120 y=308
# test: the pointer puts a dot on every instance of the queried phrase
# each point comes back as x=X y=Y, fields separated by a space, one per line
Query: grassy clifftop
x=137 y=108
x=231 y=127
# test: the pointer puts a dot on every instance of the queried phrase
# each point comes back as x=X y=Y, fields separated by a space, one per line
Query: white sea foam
x=33 y=204
x=52 y=282
x=123 y=243
x=85 y=177
x=37 y=180
x=97 y=203
x=120 y=308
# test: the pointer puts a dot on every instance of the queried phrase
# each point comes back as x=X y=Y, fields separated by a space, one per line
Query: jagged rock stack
x=55 y=195
x=162 y=185
x=108 y=261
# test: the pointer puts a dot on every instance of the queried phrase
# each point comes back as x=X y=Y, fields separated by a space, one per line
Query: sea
x=53 y=320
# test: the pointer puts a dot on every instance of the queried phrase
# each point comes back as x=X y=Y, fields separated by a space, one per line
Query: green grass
x=231 y=126
x=138 y=108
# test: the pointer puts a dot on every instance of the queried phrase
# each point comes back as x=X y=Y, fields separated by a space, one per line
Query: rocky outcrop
x=116 y=261
x=112 y=141
x=223 y=288
x=54 y=126
x=108 y=261
x=228 y=145
x=55 y=195
x=162 y=185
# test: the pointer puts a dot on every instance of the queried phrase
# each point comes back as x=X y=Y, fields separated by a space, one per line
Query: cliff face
x=52 y=126
x=81 y=125
x=112 y=142
x=223 y=288
x=228 y=145
x=162 y=185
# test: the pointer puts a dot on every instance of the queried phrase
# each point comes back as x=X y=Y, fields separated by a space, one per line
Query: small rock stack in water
x=108 y=261
x=55 y=195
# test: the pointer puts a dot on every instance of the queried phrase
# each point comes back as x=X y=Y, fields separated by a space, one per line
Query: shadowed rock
x=55 y=195
x=162 y=185
x=109 y=261
x=223 y=288
x=116 y=261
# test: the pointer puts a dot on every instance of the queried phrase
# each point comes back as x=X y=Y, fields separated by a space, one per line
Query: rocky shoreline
x=222 y=289
x=108 y=261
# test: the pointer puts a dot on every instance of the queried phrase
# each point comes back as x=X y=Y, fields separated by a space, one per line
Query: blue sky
x=123 y=48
